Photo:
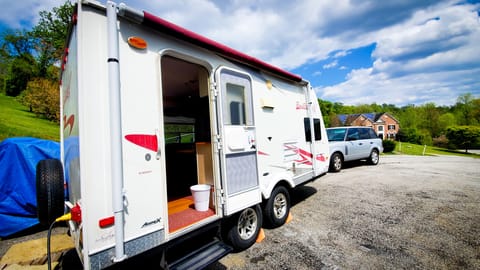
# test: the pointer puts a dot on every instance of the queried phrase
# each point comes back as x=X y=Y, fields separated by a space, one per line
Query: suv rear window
x=364 y=134
x=373 y=135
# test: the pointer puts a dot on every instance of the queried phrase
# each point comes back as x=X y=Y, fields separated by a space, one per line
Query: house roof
x=347 y=119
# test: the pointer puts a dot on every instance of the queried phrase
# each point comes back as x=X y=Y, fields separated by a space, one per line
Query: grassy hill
x=17 y=121
x=419 y=150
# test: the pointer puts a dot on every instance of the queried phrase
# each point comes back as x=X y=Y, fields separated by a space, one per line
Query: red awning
x=191 y=37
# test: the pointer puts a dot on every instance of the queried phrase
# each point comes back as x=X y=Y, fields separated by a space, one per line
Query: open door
x=187 y=139
x=238 y=153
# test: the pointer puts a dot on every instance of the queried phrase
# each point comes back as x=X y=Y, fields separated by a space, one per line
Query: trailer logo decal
x=68 y=122
x=149 y=142
x=153 y=222
x=301 y=106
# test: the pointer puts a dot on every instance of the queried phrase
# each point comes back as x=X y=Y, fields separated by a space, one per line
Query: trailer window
x=316 y=127
x=236 y=104
x=237 y=98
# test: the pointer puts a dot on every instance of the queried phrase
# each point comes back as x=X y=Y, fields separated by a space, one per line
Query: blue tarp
x=18 y=162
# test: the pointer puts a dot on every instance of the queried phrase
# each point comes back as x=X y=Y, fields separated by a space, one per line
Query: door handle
x=159 y=148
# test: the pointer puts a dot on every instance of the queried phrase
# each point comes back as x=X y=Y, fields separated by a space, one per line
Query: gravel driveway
x=407 y=212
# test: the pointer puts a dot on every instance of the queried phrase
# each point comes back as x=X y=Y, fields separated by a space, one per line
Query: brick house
x=384 y=124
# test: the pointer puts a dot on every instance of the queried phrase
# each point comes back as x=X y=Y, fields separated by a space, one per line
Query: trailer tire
x=50 y=190
x=243 y=228
x=277 y=207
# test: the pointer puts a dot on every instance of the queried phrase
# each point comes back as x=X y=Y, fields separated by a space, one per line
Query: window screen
x=236 y=104
x=237 y=98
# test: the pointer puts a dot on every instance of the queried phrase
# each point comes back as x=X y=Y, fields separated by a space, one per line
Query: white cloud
x=331 y=65
x=431 y=57
x=341 y=54
x=363 y=86
x=24 y=14
x=420 y=45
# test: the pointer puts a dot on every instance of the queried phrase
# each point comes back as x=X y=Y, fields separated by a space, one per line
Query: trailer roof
x=194 y=38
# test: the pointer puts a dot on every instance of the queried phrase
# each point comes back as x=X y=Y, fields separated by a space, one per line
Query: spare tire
x=50 y=190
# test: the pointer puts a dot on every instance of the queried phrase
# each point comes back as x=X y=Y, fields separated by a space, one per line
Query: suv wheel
x=374 y=157
x=336 y=162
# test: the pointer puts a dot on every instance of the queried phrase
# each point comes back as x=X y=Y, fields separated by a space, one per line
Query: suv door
x=356 y=144
x=366 y=141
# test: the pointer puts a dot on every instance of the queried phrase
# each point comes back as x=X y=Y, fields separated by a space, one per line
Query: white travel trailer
x=149 y=110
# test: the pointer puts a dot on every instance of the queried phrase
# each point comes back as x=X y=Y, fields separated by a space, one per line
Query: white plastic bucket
x=201 y=196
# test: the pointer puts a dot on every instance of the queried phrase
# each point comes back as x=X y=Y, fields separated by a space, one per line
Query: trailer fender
x=274 y=180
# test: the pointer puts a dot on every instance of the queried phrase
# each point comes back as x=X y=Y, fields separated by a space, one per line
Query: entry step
x=201 y=258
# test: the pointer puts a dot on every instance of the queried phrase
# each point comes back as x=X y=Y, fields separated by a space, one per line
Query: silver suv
x=353 y=143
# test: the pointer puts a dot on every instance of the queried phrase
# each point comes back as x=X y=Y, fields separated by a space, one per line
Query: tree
x=408 y=117
x=446 y=120
x=464 y=137
x=50 y=36
x=465 y=106
x=429 y=114
x=18 y=64
x=476 y=110
x=21 y=70
x=327 y=108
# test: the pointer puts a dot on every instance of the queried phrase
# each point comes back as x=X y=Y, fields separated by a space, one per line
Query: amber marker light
x=137 y=42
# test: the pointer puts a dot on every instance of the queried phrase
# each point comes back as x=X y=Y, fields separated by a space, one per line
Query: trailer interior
x=188 y=150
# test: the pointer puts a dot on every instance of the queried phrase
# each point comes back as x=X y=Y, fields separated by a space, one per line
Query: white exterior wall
x=93 y=116
x=142 y=113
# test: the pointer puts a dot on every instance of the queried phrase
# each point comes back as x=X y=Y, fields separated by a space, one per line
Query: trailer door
x=237 y=140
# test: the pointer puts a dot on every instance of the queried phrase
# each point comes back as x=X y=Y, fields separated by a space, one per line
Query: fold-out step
x=202 y=257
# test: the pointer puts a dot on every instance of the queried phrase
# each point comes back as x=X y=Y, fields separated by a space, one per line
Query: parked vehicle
x=353 y=143
x=151 y=109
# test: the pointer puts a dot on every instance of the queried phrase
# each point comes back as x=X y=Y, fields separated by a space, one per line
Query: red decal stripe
x=149 y=142
x=321 y=157
x=262 y=153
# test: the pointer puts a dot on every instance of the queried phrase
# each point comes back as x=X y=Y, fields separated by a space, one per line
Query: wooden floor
x=182 y=213
x=180 y=205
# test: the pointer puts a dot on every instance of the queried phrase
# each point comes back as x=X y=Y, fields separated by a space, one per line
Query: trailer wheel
x=374 y=157
x=277 y=207
x=336 y=162
x=243 y=228
x=50 y=191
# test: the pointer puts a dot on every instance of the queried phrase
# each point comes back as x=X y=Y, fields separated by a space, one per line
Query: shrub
x=441 y=141
x=388 y=146
x=43 y=98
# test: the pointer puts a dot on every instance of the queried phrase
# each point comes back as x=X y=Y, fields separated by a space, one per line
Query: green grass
x=415 y=149
x=17 y=121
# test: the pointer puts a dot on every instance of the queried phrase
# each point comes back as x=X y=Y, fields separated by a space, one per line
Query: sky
x=400 y=52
